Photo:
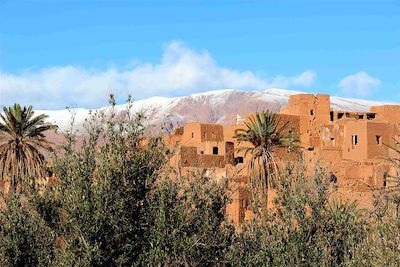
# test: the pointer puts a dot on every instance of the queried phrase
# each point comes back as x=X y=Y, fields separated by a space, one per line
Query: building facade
x=350 y=145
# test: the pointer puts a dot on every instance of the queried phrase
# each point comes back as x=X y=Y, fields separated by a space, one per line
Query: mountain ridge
x=217 y=106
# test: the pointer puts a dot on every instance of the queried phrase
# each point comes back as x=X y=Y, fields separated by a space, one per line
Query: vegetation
x=22 y=144
x=116 y=203
x=266 y=134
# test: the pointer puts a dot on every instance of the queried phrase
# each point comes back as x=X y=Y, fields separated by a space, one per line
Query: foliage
x=392 y=179
x=26 y=237
x=103 y=189
x=304 y=229
x=187 y=223
x=265 y=132
x=22 y=143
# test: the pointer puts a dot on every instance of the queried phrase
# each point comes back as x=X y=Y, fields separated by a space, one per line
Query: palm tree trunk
x=266 y=181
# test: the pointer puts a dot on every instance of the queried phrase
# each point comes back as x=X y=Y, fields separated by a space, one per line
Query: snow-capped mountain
x=219 y=106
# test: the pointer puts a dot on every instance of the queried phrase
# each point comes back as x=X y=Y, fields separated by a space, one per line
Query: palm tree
x=22 y=144
x=266 y=134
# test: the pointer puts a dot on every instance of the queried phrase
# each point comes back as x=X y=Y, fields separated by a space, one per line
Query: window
x=215 y=150
x=332 y=178
x=378 y=139
x=385 y=179
x=311 y=112
x=354 y=140
x=204 y=135
x=192 y=135
x=202 y=152
x=340 y=115
x=331 y=115
x=361 y=117
x=371 y=116
x=238 y=160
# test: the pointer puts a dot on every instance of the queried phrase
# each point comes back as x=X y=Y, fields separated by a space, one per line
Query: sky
x=61 y=53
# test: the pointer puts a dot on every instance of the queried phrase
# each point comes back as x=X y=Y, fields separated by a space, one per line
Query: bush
x=187 y=223
x=304 y=229
x=103 y=188
x=26 y=239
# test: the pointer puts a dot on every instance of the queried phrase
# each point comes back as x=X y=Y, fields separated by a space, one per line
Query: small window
x=238 y=160
x=354 y=140
x=332 y=178
x=215 y=150
x=311 y=112
x=331 y=115
x=360 y=117
x=347 y=115
x=385 y=179
x=371 y=116
x=378 y=139
x=202 y=152
x=340 y=115
x=204 y=135
x=192 y=135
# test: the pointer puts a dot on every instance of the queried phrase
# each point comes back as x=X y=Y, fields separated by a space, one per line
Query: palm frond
x=22 y=143
x=265 y=132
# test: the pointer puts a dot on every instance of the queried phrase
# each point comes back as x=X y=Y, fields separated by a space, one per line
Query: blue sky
x=58 y=53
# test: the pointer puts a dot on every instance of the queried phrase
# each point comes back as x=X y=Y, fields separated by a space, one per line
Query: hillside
x=219 y=106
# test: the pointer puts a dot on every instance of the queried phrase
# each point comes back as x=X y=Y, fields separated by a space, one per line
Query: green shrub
x=26 y=239
x=187 y=220
x=304 y=229
x=103 y=189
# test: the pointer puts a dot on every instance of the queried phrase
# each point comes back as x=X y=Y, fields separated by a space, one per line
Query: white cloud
x=180 y=71
x=306 y=78
x=359 y=84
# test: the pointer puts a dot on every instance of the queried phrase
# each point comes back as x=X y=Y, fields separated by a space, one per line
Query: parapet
x=307 y=104
x=389 y=113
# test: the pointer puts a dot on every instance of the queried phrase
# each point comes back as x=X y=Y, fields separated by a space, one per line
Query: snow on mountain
x=219 y=106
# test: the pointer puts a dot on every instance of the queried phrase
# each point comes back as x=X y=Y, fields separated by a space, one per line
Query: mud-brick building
x=349 y=144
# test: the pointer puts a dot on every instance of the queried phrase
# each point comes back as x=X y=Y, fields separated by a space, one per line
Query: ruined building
x=350 y=145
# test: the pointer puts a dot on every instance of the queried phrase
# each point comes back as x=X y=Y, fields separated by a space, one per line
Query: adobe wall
x=314 y=111
x=332 y=136
x=378 y=134
x=191 y=134
x=388 y=113
x=190 y=158
x=355 y=143
x=212 y=132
